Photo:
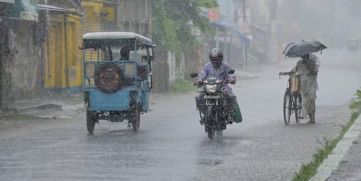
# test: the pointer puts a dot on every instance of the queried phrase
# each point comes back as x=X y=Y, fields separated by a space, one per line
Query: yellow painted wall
x=63 y=57
x=92 y=18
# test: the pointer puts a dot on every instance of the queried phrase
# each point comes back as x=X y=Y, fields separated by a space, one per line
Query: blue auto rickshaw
x=117 y=77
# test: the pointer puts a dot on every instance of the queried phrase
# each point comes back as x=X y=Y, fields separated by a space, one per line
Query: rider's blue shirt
x=220 y=73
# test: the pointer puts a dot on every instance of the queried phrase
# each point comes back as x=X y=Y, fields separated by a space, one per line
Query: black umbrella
x=299 y=48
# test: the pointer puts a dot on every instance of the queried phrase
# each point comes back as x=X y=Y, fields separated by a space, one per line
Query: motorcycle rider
x=219 y=69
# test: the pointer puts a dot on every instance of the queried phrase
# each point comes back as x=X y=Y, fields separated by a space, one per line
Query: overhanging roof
x=58 y=9
x=7 y=1
x=227 y=26
x=115 y=35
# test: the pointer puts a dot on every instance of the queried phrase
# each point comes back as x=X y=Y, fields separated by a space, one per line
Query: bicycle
x=292 y=100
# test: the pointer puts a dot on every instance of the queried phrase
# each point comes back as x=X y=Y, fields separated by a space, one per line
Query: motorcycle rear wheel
x=211 y=133
x=136 y=119
x=219 y=133
x=90 y=122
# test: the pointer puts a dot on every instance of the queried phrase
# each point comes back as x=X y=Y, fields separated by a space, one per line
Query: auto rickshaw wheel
x=108 y=78
x=90 y=122
x=136 y=118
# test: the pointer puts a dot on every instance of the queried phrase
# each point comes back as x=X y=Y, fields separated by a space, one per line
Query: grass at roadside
x=182 y=86
x=19 y=117
x=310 y=169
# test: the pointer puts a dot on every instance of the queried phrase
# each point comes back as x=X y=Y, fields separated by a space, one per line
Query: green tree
x=173 y=21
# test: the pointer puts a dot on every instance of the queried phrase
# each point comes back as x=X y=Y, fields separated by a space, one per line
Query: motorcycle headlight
x=211 y=88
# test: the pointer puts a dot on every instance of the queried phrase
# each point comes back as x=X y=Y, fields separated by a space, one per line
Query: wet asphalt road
x=172 y=145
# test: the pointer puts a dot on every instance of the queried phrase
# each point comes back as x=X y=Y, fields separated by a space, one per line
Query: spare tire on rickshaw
x=108 y=77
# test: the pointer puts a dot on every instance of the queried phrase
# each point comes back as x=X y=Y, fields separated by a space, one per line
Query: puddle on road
x=209 y=162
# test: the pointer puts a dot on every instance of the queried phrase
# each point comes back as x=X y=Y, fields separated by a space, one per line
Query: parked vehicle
x=117 y=77
x=214 y=114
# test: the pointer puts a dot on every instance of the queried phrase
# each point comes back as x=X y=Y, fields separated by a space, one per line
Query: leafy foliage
x=173 y=21
x=356 y=104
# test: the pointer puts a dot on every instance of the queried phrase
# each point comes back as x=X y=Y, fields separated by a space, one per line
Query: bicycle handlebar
x=289 y=73
x=285 y=73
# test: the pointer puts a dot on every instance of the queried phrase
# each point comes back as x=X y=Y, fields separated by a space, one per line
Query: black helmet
x=216 y=57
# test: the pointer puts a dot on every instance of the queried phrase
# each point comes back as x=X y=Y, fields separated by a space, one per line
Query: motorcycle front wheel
x=210 y=123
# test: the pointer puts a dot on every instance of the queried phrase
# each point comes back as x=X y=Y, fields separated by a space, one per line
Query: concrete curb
x=40 y=107
x=338 y=153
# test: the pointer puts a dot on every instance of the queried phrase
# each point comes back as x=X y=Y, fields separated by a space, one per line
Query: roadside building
x=135 y=16
x=61 y=64
x=232 y=31
x=40 y=40
x=100 y=15
x=21 y=40
x=117 y=15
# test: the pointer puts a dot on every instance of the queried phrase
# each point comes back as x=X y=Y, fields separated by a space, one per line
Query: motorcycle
x=213 y=109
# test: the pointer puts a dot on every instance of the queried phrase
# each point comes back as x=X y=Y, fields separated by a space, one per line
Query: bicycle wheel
x=287 y=107
x=297 y=107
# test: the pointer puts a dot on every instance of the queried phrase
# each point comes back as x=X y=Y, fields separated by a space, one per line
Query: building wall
x=135 y=16
x=62 y=68
x=92 y=18
x=164 y=70
x=21 y=60
x=28 y=64
x=100 y=15
x=195 y=58
x=63 y=60
x=20 y=51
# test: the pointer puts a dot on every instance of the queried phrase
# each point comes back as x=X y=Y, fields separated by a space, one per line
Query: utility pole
x=1 y=79
x=217 y=37
x=245 y=44
x=3 y=41
x=244 y=14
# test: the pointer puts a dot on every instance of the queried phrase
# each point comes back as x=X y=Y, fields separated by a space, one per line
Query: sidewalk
x=349 y=168
x=45 y=107
x=344 y=163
